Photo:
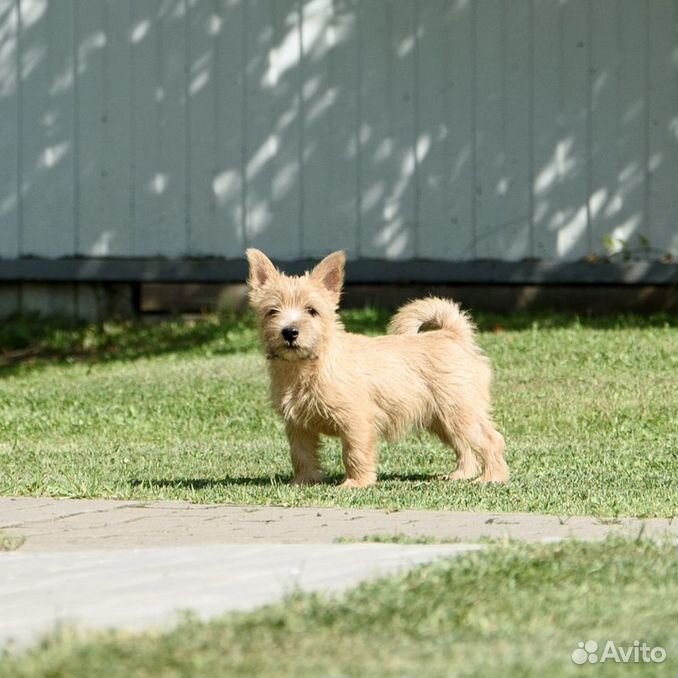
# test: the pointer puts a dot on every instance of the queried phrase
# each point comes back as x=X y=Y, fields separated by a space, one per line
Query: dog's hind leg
x=304 y=447
x=491 y=447
x=468 y=466
x=480 y=449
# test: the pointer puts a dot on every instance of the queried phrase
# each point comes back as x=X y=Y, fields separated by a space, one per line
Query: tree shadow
x=33 y=341
x=546 y=320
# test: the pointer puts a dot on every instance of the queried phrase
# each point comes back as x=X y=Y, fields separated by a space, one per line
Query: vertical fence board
x=205 y=25
x=330 y=155
x=388 y=129
x=618 y=189
x=561 y=108
x=604 y=200
x=662 y=211
x=170 y=181
x=159 y=156
x=145 y=199
x=571 y=215
x=287 y=179
x=273 y=122
x=9 y=141
x=546 y=107
x=376 y=145
x=502 y=131
x=48 y=144
x=116 y=211
x=445 y=130
x=228 y=185
x=92 y=110
x=260 y=137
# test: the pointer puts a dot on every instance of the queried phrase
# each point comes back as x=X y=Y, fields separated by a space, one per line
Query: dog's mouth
x=290 y=352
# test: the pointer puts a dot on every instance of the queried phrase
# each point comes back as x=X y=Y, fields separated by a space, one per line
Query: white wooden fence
x=396 y=129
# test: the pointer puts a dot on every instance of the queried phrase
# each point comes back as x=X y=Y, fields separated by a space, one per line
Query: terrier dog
x=426 y=373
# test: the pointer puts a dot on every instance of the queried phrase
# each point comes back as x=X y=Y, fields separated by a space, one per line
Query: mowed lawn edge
x=179 y=410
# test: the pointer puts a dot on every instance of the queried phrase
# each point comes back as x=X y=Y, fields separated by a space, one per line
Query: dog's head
x=296 y=314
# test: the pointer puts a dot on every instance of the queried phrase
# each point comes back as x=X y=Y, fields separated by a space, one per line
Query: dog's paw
x=492 y=478
x=460 y=475
x=299 y=481
x=351 y=483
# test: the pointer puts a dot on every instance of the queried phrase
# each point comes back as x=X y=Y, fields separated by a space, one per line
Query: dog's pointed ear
x=330 y=273
x=261 y=268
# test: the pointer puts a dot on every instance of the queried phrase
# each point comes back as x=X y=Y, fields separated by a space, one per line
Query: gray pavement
x=132 y=589
x=131 y=565
x=83 y=524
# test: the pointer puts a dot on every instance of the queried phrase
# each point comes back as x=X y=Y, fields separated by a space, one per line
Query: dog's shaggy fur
x=427 y=373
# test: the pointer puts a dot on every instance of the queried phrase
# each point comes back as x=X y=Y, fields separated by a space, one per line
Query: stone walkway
x=77 y=524
x=136 y=588
x=131 y=565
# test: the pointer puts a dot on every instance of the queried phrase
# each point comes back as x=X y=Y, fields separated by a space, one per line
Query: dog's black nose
x=290 y=334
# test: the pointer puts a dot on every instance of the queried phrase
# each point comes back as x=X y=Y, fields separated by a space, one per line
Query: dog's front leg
x=359 y=451
x=304 y=447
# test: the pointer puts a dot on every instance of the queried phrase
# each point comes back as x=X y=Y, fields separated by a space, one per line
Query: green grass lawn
x=513 y=611
x=180 y=410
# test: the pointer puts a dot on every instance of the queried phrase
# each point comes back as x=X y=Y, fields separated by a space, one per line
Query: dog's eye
x=311 y=311
x=272 y=312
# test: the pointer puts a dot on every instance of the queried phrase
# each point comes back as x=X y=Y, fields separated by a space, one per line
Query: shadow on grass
x=32 y=341
x=372 y=321
x=266 y=481
x=208 y=483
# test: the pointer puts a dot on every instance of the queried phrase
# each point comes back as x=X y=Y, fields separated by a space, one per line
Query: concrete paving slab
x=77 y=524
x=29 y=509
x=138 y=588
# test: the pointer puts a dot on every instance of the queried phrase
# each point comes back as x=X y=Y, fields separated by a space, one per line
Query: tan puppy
x=330 y=382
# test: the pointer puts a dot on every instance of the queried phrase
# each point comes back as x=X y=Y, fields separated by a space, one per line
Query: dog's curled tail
x=433 y=313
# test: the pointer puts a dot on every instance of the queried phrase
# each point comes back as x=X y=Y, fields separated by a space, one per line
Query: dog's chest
x=302 y=404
